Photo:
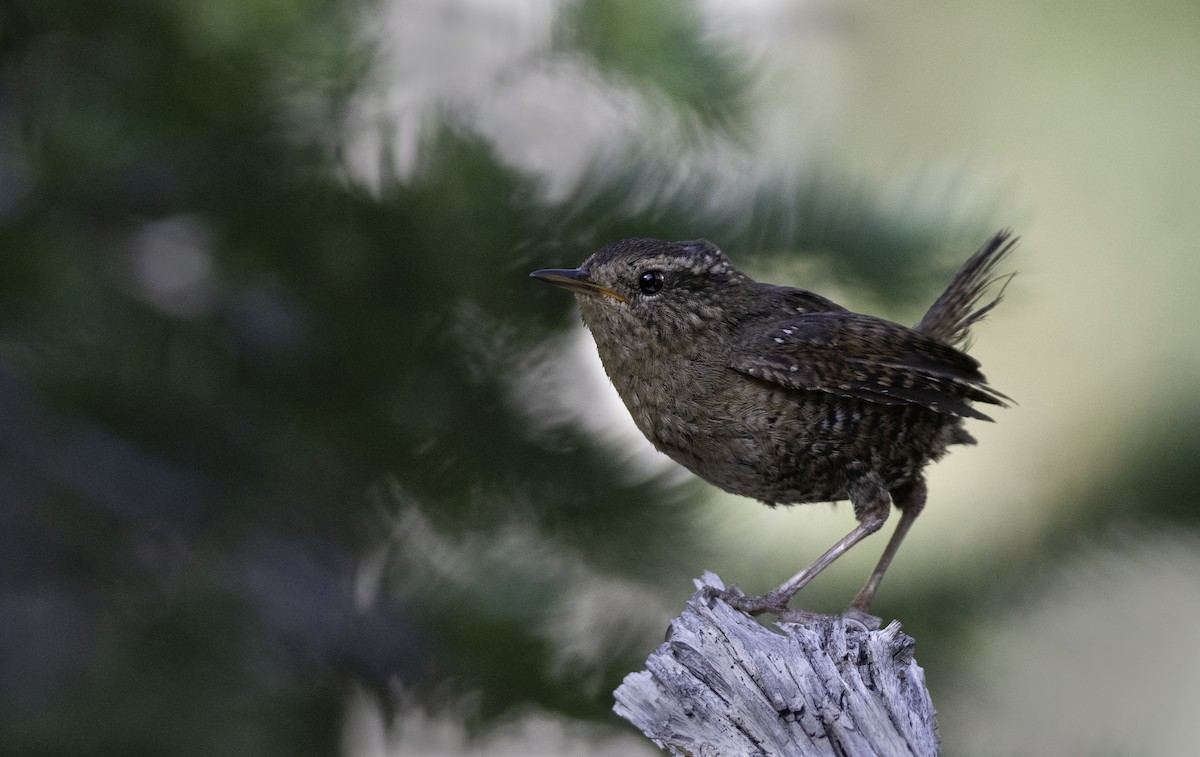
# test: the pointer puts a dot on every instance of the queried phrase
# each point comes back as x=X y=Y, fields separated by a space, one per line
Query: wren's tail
x=950 y=318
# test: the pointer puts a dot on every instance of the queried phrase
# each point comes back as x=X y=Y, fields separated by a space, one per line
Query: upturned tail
x=949 y=319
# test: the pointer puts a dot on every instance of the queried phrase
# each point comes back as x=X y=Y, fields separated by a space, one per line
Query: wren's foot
x=773 y=602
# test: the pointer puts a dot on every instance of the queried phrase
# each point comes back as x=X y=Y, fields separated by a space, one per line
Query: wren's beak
x=575 y=280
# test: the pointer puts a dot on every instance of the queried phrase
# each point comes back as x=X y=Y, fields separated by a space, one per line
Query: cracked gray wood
x=723 y=684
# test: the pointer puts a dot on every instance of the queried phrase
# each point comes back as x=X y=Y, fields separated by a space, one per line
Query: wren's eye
x=651 y=282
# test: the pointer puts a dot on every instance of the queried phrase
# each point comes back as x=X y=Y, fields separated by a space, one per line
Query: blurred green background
x=294 y=459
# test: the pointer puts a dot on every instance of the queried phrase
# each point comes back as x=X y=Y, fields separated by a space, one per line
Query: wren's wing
x=867 y=358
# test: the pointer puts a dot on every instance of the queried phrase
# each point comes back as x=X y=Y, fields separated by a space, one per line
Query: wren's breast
x=668 y=411
x=778 y=445
x=773 y=444
x=699 y=415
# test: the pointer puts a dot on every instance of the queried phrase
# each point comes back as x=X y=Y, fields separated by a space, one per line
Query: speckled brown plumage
x=780 y=394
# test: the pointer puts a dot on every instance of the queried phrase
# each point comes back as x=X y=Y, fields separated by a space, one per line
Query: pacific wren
x=780 y=394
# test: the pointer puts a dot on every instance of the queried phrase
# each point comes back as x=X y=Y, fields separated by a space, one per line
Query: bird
x=779 y=394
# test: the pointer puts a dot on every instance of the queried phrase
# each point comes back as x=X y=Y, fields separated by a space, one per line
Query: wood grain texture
x=723 y=684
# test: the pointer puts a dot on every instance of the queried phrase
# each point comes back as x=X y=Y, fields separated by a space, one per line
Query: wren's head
x=647 y=290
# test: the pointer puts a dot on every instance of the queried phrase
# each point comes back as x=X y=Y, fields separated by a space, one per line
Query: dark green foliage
x=660 y=45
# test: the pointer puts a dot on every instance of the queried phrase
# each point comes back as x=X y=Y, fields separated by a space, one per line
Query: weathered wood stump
x=723 y=684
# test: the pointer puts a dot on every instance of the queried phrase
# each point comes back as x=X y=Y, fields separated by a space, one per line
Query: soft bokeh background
x=294 y=459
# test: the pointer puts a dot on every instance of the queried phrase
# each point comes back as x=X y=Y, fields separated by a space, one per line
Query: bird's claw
x=772 y=602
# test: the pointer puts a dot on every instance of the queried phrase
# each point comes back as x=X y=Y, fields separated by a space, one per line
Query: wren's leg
x=910 y=500
x=871 y=505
